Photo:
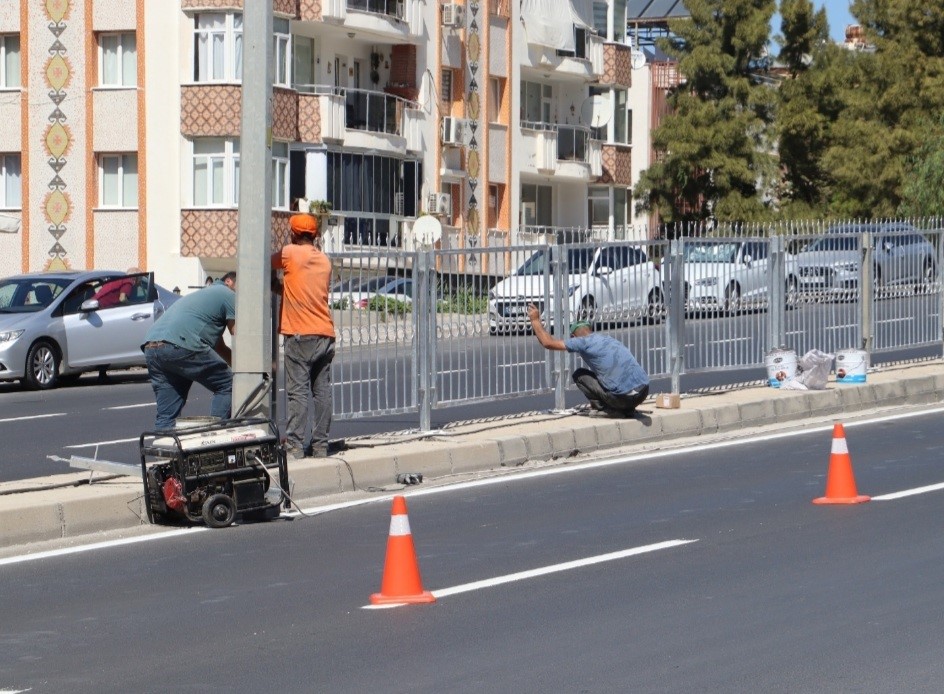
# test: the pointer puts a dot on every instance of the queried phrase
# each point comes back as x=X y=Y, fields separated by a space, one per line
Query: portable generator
x=214 y=472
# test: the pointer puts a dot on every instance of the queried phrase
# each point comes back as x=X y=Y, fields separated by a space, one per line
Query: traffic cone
x=840 y=482
x=401 y=578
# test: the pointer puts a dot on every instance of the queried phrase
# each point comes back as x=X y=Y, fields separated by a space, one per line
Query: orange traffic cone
x=401 y=578
x=840 y=482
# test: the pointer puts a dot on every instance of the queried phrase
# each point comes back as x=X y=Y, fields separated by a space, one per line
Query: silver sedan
x=57 y=325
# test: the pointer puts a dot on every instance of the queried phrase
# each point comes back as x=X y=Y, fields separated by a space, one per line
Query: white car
x=609 y=283
x=730 y=274
x=354 y=294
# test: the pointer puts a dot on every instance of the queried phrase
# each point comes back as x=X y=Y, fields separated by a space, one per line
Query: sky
x=837 y=14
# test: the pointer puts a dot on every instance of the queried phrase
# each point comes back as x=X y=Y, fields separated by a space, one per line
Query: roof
x=645 y=11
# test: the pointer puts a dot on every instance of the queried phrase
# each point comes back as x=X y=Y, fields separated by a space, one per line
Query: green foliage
x=340 y=304
x=714 y=149
x=923 y=189
x=389 y=306
x=463 y=301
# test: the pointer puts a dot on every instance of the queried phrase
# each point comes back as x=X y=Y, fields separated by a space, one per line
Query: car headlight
x=706 y=282
x=573 y=288
x=10 y=335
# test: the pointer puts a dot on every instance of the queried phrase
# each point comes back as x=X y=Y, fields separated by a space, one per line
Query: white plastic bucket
x=781 y=366
x=851 y=365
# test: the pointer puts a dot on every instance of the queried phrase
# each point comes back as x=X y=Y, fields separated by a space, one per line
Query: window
x=536 y=205
x=495 y=192
x=281 y=47
x=9 y=61
x=446 y=94
x=621 y=118
x=218 y=47
x=118 y=174
x=598 y=204
x=10 y=181
x=536 y=102
x=496 y=90
x=303 y=68
x=118 y=62
x=280 y=169
x=215 y=172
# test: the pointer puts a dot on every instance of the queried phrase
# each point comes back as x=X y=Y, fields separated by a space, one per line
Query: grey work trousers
x=308 y=390
x=602 y=399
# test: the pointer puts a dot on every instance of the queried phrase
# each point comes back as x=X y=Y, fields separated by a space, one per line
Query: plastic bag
x=813 y=370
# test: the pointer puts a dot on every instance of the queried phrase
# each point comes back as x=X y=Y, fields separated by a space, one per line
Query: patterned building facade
x=123 y=122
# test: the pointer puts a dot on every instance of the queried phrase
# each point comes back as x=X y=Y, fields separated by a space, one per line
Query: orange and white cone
x=401 y=578
x=840 y=482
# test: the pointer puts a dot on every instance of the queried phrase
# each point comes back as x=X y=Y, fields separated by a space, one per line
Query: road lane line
x=130 y=407
x=102 y=443
x=909 y=492
x=545 y=570
x=99 y=545
x=33 y=416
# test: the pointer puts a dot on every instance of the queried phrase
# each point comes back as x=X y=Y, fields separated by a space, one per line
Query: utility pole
x=252 y=343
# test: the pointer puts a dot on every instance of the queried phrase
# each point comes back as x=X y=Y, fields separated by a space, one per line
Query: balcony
x=566 y=151
x=584 y=64
x=364 y=118
x=379 y=19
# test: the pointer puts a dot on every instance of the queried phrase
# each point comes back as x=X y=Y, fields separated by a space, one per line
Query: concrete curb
x=46 y=509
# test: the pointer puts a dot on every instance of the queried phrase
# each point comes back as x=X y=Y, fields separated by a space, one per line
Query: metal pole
x=867 y=292
x=424 y=331
x=675 y=313
x=559 y=271
x=777 y=305
x=252 y=353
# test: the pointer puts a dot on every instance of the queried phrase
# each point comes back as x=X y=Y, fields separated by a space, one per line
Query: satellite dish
x=595 y=111
x=427 y=230
x=9 y=224
x=637 y=59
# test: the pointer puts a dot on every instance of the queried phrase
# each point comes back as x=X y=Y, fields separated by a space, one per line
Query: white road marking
x=545 y=570
x=130 y=407
x=34 y=416
x=909 y=492
x=102 y=443
x=499 y=479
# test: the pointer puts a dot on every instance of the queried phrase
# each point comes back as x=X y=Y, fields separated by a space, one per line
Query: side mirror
x=748 y=260
x=89 y=305
x=604 y=270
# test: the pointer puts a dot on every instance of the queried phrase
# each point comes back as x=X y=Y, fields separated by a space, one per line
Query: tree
x=713 y=151
x=923 y=189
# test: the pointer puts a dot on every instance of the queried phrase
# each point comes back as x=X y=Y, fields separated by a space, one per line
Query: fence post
x=867 y=292
x=424 y=330
x=776 y=304
x=557 y=361
x=675 y=312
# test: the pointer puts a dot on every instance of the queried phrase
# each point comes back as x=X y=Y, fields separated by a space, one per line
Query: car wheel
x=42 y=366
x=655 y=308
x=732 y=299
x=588 y=310
x=219 y=511
x=792 y=295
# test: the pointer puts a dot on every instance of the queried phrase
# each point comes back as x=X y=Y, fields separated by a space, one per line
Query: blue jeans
x=308 y=376
x=174 y=369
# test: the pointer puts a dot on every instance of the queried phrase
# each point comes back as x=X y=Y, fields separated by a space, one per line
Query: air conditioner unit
x=451 y=14
x=453 y=131
x=439 y=203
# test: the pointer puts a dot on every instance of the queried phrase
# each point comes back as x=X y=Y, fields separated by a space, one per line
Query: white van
x=609 y=283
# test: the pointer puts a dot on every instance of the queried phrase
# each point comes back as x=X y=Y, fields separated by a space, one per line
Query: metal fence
x=415 y=333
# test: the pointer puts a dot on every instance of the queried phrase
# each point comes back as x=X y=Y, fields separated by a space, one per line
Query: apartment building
x=509 y=119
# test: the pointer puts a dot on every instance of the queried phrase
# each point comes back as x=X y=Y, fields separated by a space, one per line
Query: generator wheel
x=219 y=511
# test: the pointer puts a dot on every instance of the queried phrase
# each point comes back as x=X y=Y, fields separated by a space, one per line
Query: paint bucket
x=851 y=365
x=781 y=366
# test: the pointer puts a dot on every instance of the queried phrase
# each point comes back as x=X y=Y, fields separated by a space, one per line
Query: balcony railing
x=365 y=109
x=573 y=141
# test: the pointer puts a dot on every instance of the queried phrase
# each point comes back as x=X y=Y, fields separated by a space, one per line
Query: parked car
x=358 y=295
x=829 y=265
x=731 y=274
x=56 y=325
x=615 y=282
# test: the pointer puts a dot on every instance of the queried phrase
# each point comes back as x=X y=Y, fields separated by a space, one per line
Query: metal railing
x=367 y=109
x=699 y=303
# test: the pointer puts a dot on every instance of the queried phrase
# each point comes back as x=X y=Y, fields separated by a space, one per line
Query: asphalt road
x=768 y=593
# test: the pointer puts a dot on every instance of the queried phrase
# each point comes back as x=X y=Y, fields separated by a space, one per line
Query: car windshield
x=347 y=285
x=835 y=243
x=375 y=284
x=579 y=261
x=711 y=252
x=29 y=294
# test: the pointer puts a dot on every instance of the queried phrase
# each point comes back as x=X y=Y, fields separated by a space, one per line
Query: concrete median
x=69 y=507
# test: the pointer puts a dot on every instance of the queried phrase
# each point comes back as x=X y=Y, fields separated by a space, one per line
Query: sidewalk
x=53 y=508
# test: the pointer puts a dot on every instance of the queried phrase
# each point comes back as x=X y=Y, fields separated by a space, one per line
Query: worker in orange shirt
x=308 y=338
